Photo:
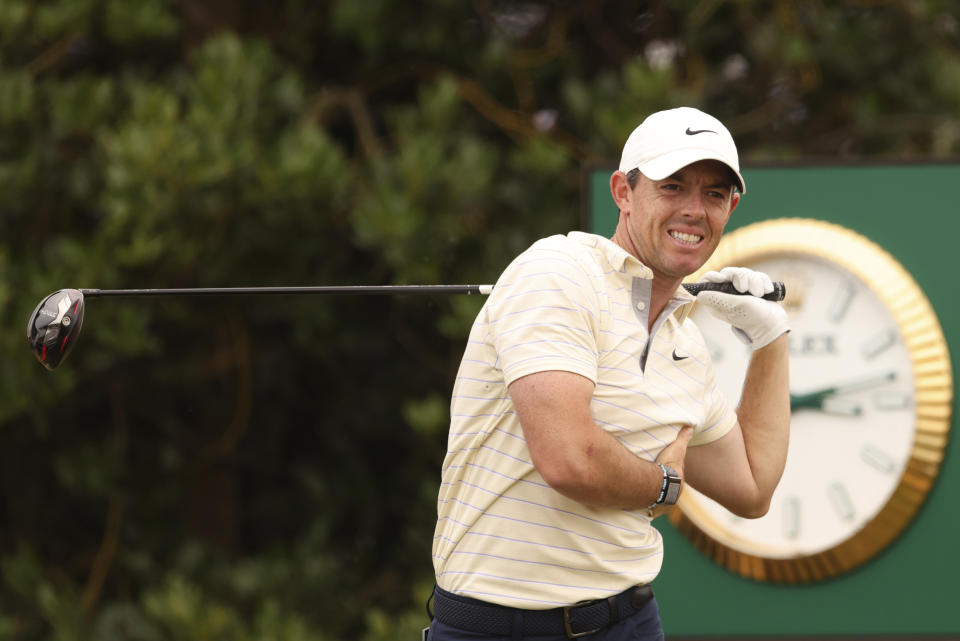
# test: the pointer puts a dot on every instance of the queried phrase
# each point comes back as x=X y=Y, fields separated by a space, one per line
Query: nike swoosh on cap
x=694 y=132
x=676 y=357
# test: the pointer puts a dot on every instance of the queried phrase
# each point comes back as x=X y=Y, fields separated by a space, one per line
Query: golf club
x=54 y=326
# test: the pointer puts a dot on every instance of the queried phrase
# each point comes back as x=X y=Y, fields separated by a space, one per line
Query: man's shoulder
x=560 y=263
x=588 y=249
x=572 y=241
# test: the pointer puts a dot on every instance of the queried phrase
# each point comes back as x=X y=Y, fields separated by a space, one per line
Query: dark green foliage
x=267 y=468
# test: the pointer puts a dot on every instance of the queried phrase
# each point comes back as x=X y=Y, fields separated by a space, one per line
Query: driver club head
x=54 y=326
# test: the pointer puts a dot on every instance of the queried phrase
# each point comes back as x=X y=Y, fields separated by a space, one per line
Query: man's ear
x=620 y=190
x=734 y=202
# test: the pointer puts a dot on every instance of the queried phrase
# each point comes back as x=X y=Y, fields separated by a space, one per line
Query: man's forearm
x=603 y=473
x=577 y=457
x=764 y=415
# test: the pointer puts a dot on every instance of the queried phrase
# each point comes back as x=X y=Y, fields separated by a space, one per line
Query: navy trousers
x=644 y=625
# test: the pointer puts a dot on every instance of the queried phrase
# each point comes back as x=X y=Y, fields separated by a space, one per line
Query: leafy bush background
x=267 y=468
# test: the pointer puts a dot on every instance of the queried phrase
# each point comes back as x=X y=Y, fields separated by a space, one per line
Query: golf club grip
x=726 y=287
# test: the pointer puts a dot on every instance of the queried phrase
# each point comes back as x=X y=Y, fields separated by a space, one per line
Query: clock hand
x=820 y=399
x=870 y=381
x=825 y=402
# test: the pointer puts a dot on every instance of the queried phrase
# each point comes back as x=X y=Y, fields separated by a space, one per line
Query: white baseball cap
x=669 y=140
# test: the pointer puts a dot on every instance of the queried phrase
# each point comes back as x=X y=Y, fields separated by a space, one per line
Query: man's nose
x=694 y=204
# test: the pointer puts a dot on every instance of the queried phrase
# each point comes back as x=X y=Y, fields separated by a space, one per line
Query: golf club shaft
x=358 y=290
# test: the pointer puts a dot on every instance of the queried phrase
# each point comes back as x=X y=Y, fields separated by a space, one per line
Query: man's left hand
x=755 y=321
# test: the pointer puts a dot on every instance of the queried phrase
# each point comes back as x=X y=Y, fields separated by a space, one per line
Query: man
x=584 y=402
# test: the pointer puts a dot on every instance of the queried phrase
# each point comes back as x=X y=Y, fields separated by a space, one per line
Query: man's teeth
x=686 y=238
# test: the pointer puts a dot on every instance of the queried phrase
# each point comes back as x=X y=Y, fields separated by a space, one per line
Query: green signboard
x=908 y=589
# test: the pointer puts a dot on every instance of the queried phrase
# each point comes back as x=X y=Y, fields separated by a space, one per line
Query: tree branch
x=110 y=543
x=52 y=54
x=354 y=102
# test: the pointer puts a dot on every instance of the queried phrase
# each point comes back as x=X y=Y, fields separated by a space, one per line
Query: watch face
x=857 y=428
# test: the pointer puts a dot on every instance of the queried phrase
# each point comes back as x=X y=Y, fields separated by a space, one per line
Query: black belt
x=577 y=620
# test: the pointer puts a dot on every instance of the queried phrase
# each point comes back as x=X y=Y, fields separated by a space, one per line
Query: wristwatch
x=670 y=490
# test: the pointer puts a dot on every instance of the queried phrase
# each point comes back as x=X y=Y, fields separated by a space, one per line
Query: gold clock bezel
x=933 y=381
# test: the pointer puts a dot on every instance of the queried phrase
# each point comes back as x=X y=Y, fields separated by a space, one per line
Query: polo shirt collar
x=624 y=262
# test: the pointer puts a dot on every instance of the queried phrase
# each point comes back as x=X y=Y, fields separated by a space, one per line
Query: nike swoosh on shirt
x=694 y=132
x=678 y=358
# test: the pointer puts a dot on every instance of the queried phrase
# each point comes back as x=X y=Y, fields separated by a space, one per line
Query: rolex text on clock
x=871 y=401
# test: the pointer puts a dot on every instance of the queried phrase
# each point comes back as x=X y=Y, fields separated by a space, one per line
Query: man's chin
x=682 y=269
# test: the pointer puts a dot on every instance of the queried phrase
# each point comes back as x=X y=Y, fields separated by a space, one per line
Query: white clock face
x=853 y=411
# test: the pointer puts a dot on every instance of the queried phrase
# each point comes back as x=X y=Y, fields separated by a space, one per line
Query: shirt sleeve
x=719 y=417
x=543 y=315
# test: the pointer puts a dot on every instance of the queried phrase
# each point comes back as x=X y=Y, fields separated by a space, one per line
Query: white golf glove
x=755 y=321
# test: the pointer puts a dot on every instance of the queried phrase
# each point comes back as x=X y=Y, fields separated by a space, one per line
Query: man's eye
x=671 y=186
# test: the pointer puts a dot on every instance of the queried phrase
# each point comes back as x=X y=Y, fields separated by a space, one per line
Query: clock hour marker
x=841 y=302
x=877 y=459
x=791 y=517
x=840 y=500
x=878 y=343
x=892 y=401
x=841 y=406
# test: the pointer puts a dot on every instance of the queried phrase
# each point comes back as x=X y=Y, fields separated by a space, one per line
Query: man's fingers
x=742 y=278
x=679 y=445
x=674 y=453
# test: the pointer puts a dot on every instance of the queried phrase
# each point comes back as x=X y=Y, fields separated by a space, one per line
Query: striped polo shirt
x=576 y=303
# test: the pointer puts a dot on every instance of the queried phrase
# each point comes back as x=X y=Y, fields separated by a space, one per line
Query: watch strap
x=670 y=488
x=674 y=484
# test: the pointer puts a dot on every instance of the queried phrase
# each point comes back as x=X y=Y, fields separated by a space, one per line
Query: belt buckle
x=568 y=629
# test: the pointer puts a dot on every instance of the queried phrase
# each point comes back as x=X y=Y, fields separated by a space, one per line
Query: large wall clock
x=871 y=400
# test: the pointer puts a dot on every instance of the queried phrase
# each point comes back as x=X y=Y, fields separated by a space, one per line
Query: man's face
x=675 y=224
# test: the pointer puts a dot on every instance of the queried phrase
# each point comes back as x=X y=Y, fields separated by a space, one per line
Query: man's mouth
x=685 y=238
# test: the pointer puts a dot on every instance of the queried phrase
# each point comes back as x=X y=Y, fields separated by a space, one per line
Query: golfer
x=586 y=400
